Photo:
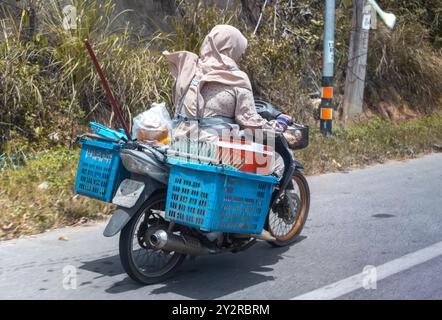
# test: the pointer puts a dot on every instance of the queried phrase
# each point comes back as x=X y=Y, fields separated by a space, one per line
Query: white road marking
x=345 y=286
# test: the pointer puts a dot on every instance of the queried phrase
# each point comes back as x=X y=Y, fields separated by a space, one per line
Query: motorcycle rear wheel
x=147 y=271
x=288 y=234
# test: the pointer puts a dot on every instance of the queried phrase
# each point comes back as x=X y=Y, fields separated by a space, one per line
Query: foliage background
x=48 y=84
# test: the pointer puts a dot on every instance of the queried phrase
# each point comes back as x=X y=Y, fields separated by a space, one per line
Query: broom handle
x=109 y=94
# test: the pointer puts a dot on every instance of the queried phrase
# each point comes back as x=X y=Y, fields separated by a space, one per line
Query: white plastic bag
x=153 y=125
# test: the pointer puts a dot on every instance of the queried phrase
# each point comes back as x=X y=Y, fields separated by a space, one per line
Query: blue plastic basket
x=107 y=132
x=100 y=170
x=216 y=199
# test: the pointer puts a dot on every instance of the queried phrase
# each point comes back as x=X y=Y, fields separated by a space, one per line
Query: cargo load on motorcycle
x=216 y=177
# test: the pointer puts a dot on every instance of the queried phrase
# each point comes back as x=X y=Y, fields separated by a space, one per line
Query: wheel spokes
x=283 y=225
x=147 y=260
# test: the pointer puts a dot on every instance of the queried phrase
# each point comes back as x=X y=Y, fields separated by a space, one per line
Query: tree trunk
x=251 y=9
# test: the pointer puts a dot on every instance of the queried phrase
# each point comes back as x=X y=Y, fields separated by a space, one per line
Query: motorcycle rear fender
x=122 y=216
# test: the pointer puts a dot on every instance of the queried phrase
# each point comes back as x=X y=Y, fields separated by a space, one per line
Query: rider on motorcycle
x=167 y=210
x=213 y=97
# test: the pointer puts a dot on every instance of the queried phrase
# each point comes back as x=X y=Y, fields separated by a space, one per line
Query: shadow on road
x=208 y=277
x=108 y=266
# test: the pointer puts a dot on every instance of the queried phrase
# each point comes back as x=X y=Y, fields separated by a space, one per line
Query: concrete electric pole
x=363 y=16
x=357 y=59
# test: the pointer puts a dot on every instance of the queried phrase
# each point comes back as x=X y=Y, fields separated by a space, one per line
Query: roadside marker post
x=326 y=106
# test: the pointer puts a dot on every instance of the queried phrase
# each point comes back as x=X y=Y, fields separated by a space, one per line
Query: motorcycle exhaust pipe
x=163 y=240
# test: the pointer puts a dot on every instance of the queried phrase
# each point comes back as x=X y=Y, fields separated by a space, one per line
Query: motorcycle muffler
x=163 y=240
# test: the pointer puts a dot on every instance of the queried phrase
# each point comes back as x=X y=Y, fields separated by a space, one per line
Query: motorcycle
x=152 y=246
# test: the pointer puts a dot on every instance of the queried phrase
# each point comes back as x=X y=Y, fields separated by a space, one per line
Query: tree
x=251 y=9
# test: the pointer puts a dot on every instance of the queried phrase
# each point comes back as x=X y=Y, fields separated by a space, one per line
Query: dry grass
x=404 y=70
x=376 y=141
x=50 y=85
x=40 y=196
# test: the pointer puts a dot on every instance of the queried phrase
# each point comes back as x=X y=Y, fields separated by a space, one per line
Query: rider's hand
x=284 y=120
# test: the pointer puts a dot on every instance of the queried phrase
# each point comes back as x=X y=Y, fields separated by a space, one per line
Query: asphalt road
x=386 y=216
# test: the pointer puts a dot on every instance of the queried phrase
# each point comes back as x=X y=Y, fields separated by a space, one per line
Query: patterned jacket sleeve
x=246 y=115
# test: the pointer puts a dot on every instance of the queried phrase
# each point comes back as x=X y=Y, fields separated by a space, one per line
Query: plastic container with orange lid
x=248 y=156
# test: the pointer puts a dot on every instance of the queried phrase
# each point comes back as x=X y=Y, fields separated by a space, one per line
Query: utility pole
x=357 y=59
x=326 y=106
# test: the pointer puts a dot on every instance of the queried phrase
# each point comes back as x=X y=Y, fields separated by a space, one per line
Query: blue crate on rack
x=212 y=198
x=100 y=170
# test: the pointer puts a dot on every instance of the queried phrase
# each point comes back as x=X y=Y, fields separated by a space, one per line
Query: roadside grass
x=376 y=141
x=40 y=195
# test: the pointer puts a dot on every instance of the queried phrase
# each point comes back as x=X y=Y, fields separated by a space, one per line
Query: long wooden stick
x=106 y=86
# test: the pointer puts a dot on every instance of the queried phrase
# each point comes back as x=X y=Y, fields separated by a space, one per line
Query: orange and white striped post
x=326 y=106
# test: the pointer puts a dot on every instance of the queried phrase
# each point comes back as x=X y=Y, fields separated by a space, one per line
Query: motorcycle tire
x=292 y=236
x=126 y=243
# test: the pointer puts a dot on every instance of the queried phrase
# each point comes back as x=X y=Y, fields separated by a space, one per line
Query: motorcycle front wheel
x=143 y=264
x=286 y=219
